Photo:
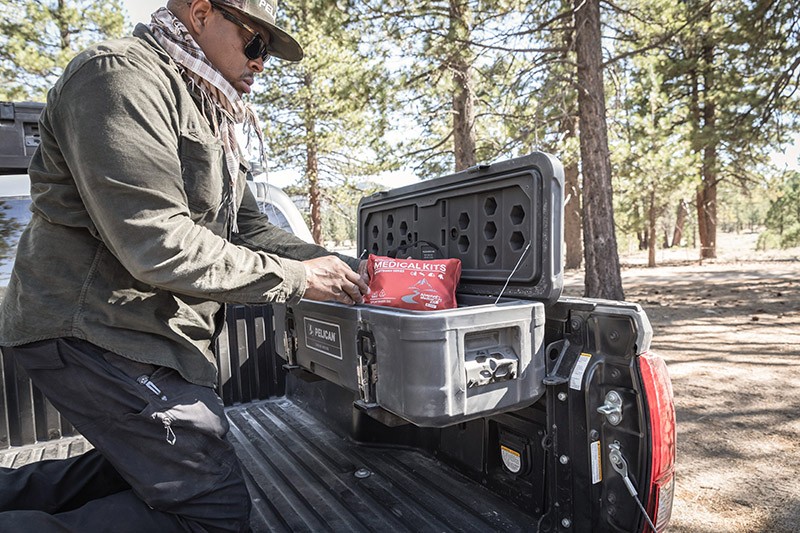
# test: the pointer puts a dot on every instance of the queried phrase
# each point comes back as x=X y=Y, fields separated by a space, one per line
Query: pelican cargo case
x=438 y=368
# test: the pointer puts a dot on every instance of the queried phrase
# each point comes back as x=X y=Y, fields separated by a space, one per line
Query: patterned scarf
x=225 y=107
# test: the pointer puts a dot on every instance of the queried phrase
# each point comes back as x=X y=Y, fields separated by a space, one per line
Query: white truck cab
x=277 y=205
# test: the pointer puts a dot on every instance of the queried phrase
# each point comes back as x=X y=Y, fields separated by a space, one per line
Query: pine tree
x=38 y=38
x=736 y=69
x=450 y=60
x=651 y=154
x=533 y=100
x=602 y=279
x=326 y=114
x=783 y=217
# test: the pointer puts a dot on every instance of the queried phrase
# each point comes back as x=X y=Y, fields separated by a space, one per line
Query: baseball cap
x=262 y=12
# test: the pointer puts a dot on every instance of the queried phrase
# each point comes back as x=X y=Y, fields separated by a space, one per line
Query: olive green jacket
x=129 y=246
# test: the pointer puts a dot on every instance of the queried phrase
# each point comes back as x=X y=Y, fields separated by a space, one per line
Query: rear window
x=275 y=215
x=15 y=214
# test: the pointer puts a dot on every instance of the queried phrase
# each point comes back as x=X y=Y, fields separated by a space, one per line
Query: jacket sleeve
x=120 y=123
x=256 y=232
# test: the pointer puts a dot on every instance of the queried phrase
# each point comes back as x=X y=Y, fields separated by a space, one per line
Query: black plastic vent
x=490 y=231
x=490 y=206
x=490 y=255
x=517 y=215
x=463 y=244
x=517 y=241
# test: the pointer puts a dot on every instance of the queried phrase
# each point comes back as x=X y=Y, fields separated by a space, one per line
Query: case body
x=438 y=368
x=431 y=368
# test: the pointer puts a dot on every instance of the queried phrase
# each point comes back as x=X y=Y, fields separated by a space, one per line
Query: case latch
x=367 y=374
x=491 y=365
x=290 y=340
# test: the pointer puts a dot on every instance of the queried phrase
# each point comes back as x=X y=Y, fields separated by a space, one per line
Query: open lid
x=499 y=219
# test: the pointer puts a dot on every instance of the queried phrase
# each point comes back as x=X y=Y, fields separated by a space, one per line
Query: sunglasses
x=255 y=47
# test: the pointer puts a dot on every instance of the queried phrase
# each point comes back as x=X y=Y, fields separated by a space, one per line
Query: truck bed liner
x=304 y=477
x=63 y=448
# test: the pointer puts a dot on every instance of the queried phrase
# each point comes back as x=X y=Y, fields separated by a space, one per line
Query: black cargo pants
x=161 y=461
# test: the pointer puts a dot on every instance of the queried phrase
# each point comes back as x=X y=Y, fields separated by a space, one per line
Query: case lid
x=499 y=219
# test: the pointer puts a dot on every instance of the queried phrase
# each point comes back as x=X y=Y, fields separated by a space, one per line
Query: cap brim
x=282 y=45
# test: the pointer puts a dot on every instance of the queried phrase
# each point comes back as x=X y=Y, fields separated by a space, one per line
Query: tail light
x=658 y=395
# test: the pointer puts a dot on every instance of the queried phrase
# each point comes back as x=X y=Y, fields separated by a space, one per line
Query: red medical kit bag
x=415 y=284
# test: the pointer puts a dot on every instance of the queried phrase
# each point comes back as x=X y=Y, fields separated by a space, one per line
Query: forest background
x=667 y=116
x=665 y=113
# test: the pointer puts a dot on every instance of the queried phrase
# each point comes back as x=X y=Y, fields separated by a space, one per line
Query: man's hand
x=362 y=270
x=328 y=278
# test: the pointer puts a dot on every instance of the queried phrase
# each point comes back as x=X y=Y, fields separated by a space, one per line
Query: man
x=142 y=227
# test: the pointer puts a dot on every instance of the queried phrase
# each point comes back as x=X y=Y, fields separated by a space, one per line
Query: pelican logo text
x=324 y=334
x=323 y=337
x=263 y=4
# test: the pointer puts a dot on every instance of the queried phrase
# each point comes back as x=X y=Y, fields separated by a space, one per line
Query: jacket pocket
x=202 y=171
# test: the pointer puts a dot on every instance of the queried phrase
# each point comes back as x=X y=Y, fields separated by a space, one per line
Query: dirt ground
x=729 y=330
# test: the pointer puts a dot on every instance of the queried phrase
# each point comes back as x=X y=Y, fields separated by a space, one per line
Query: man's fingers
x=359 y=283
x=355 y=287
x=329 y=278
x=363 y=271
x=353 y=293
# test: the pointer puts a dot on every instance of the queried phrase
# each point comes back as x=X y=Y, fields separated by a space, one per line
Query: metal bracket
x=559 y=366
x=380 y=414
x=612 y=408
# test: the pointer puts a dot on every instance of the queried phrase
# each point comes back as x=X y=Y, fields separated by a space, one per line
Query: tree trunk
x=573 y=211
x=63 y=25
x=463 y=90
x=707 y=190
x=312 y=175
x=651 y=230
x=572 y=217
x=312 y=168
x=603 y=279
x=707 y=198
x=680 y=223
x=572 y=205
x=707 y=217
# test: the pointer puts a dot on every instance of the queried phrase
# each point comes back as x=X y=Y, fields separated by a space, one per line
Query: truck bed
x=304 y=477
